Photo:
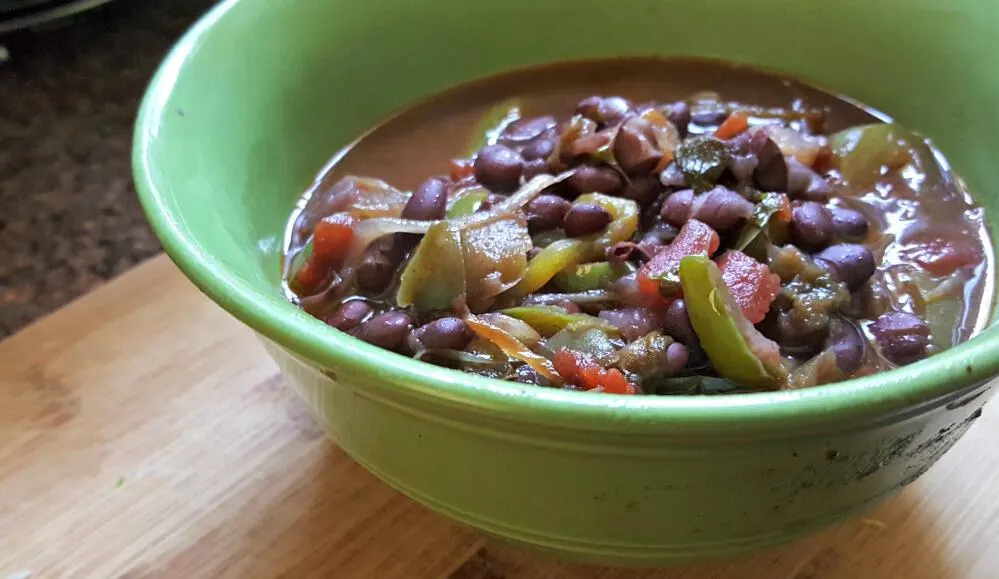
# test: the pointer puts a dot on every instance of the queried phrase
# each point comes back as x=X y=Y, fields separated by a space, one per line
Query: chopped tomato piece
x=614 y=382
x=333 y=237
x=579 y=369
x=330 y=244
x=311 y=278
x=735 y=124
x=750 y=282
x=461 y=169
x=695 y=237
x=783 y=212
x=941 y=257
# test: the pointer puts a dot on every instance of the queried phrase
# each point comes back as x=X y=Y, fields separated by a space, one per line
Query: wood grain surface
x=145 y=434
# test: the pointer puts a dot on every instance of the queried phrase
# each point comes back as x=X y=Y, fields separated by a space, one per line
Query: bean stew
x=644 y=226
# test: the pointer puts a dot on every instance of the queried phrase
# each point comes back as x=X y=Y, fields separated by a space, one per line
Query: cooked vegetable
x=435 y=276
x=513 y=348
x=692 y=247
x=752 y=285
x=492 y=124
x=590 y=276
x=468 y=203
x=579 y=369
x=702 y=160
x=652 y=356
x=661 y=275
x=549 y=320
x=734 y=124
x=736 y=349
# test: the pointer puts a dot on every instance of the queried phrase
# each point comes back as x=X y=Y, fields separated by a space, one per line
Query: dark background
x=69 y=218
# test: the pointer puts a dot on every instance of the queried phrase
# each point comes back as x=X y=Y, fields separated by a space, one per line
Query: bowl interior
x=260 y=94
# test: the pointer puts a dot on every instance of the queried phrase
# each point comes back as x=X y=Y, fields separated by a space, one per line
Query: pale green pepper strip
x=624 y=214
x=591 y=276
x=724 y=332
x=552 y=259
x=467 y=204
x=549 y=320
x=862 y=151
x=492 y=124
x=435 y=276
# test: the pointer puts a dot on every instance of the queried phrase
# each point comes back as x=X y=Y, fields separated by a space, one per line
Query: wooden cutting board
x=145 y=434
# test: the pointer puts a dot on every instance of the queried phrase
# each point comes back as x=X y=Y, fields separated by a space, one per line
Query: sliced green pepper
x=624 y=222
x=468 y=203
x=736 y=349
x=435 y=275
x=492 y=124
x=552 y=259
x=549 y=320
x=591 y=276
x=862 y=151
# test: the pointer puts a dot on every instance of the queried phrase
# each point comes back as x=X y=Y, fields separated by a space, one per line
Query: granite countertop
x=69 y=218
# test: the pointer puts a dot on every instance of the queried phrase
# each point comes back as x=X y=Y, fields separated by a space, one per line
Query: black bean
x=679 y=115
x=349 y=315
x=804 y=183
x=612 y=110
x=595 y=180
x=584 y=219
x=498 y=168
x=534 y=167
x=850 y=225
x=721 y=208
x=659 y=234
x=376 y=271
x=443 y=334
x=903 y=337
x=771 y=171
x=678 y=324
x=677 y=356
x=607 y=111
x=849 y=263
x=676 y=208
x=587 y=146
x=387 y=330
x=428 y=202
x=524 y=130
x=529 y=375
x=708 y=117
x=539 y=149
x=672 y=177
x=848 y=344
x=811 y=226
x=624 y=251
x=546 y=212
x=642 y=190
x=589 y=107
x=635 y=147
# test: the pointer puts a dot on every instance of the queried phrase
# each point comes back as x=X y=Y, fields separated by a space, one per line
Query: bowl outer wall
x=226 y=138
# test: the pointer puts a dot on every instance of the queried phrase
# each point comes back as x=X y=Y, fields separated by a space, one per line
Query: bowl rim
x=943 y=375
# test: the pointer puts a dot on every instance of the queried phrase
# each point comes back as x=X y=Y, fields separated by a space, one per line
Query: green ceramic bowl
x=255 y=98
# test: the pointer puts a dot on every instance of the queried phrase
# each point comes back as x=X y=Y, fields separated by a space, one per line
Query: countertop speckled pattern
x=69 y=219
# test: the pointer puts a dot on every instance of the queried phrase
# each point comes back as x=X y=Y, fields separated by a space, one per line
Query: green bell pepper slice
x=736 y=349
